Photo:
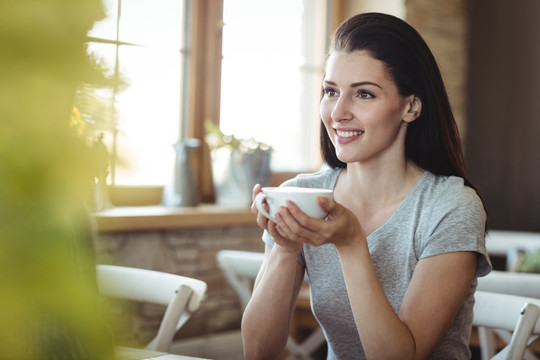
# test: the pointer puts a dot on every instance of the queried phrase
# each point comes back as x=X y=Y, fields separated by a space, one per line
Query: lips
x=347 y=134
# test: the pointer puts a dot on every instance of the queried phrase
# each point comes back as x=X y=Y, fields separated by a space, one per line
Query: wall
x=503 y=150
x=443 y=25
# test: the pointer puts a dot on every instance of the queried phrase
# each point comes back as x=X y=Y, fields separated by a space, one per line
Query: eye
x=329 y=92
x=364 y=94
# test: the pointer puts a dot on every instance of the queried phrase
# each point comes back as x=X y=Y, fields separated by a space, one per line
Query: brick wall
x=443 y=25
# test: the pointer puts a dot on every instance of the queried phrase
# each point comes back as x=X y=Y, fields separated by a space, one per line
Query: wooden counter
x=136 y=218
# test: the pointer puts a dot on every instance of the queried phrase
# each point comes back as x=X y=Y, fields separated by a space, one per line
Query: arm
x=435 y=294
x=266 y=320
x=437 y=290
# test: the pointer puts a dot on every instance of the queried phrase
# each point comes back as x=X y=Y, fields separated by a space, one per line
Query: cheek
x=325 y=111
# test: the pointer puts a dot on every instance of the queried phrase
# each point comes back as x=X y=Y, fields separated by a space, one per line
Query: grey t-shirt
x=439 y=215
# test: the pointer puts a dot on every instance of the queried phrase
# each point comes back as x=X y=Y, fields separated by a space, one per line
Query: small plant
x=215 y=138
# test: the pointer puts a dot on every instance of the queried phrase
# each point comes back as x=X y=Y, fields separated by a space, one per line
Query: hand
x=341 y=227
x=270 y=226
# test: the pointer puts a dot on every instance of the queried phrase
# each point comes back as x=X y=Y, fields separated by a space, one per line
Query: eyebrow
x=356 y=84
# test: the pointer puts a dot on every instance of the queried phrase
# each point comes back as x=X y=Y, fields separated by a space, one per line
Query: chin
x=346 y=159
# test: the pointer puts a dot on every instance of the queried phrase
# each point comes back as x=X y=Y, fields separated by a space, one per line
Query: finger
x=290 y=228
x=306 y=221
x=256 y=189
x=274 y=231
x=262 y=221
x=327 y=204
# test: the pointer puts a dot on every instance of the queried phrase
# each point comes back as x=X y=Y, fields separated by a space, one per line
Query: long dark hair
x=432 y=141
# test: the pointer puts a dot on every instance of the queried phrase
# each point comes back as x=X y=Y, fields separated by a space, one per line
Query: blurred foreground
x=48 y=296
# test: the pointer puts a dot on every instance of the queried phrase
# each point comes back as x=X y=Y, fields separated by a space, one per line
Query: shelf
x=137 y=218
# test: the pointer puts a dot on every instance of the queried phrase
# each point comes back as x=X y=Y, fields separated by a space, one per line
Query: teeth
x=348 y=133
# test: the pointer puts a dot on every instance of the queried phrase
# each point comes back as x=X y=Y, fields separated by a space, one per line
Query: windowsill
x=137 y=218
x=138 y=210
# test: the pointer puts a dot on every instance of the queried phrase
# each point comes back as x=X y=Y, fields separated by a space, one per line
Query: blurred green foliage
x=530 y=262
x=48 y=295
x=94 y=96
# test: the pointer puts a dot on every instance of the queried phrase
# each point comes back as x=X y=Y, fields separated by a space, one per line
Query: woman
x=393 y=267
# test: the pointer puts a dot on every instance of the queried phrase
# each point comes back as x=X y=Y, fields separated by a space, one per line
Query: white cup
x=304 y=198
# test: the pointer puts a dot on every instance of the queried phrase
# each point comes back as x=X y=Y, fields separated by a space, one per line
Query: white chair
x=517 y=314
x=182 y=296
x=509 y=244
x=240 y=268
x=511 y=283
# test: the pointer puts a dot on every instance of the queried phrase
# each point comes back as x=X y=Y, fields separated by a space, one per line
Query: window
x=273 y=61
x=279 y=47
x=140 y=41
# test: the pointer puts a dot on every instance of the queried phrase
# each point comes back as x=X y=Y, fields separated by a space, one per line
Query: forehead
x=355 y=66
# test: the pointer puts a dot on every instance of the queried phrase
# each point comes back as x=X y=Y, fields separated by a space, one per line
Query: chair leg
x=296 y=352
x=487 y=343
x=525 y=325
x=176 y=308
x=307 y=347
x=507 y=335
x=314 y=341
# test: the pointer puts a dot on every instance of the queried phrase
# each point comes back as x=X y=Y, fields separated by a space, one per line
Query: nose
x=342 y=110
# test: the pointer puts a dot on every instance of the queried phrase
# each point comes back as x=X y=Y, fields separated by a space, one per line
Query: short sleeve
x=458 y=224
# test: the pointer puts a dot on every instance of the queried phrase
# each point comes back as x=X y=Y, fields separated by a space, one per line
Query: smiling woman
x=403 y=242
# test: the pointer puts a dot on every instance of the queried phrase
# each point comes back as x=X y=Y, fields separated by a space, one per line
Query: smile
x=347 y=134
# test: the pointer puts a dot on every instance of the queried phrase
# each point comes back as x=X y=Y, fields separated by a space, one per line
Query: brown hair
x=432 y=141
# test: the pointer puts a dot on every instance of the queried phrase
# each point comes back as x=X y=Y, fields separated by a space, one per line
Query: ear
x=413 y=109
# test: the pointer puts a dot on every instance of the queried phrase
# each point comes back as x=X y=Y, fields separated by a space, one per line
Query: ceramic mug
x=304 y=198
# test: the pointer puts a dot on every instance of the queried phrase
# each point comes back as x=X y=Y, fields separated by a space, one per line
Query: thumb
x=325 y=203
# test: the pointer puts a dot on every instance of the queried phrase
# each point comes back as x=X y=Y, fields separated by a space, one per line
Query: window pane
x=271 y=76
x=147 y=110
x=148 y=115
x=156 y=23
x=106 y=28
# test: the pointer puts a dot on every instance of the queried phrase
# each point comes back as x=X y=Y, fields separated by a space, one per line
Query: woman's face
x=363 y=113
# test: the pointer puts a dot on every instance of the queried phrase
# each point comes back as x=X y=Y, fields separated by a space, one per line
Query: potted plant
x=237 y=165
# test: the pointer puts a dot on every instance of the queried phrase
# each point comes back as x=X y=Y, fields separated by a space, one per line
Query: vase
x=182 y=191
x=235 y=172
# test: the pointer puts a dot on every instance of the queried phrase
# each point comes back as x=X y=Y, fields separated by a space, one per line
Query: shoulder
x=324 y=178
x=449 y=191
x=446 y=201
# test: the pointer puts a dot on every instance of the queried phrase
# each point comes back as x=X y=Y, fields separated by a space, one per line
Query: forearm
x=266 y=320
x=376 y=320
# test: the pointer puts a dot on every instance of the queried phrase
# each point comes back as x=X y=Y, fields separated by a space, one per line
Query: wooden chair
x=240 y=268
x=182 y=296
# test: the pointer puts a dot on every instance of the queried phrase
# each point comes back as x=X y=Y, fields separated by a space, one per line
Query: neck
x=375 y=186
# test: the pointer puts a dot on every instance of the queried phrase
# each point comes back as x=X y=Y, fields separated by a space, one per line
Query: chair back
x=181 y=295
x=240 y=268
x=512 y=283
x=514 y=313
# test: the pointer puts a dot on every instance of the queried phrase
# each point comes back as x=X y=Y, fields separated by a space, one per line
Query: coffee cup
x=304 y=198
